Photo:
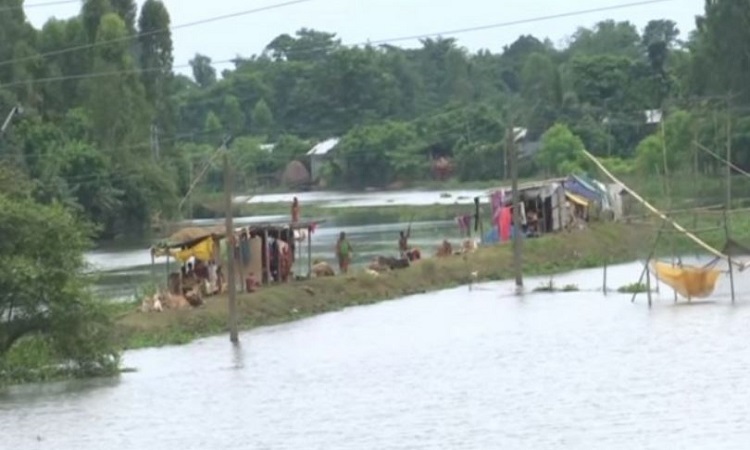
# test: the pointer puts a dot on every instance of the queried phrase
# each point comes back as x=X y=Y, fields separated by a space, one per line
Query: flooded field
x=469 y=369
x=372 y=199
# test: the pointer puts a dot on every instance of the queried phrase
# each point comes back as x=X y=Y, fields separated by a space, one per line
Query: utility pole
x=155 y=141
x=190 y=198
x=729 y=155
x=517 y=261
x=231 y=283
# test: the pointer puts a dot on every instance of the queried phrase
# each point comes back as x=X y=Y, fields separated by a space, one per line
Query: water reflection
x=456 y=369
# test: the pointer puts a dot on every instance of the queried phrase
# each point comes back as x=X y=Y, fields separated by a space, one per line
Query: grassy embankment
x=602 y=243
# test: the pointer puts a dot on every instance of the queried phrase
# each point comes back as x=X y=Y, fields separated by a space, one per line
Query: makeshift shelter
x=275 y=249
x=200 y=244
x=545 y=198
x=295 y=174
x=579 y=204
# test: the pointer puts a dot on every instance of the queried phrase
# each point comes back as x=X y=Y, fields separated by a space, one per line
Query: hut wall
x=256 y=255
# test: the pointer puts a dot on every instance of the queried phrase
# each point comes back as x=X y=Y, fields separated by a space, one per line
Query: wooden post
x=228 y=217
x=648 y=260
x=190 y=198
x=604 y=282
x=309 y=252
x=167 y=271
x=517 y=261
x=268 y=257
x=153 y=267
x=648 y=283
x=729 y=256
x=729 y=158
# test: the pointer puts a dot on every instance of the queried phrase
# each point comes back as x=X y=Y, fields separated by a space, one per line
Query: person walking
x=343 y=253
x=295 y=211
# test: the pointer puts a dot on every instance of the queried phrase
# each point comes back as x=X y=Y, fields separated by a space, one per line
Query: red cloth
x=503 y=223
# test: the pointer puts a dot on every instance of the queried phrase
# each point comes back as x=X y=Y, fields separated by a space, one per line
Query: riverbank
x=602 y=243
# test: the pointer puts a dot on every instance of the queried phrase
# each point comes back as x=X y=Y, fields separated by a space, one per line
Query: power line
x=522 y=21
x=149 y=33
x=367 y=43
x=38 y=5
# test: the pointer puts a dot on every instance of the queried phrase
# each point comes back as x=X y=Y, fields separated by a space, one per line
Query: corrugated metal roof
x=322 y=148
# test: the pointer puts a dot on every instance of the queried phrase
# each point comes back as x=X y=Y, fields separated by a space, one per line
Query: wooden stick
x=651 y=208
x=731 y=271
x=720 y=158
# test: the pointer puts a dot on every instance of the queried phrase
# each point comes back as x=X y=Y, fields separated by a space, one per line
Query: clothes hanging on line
x=464 y=224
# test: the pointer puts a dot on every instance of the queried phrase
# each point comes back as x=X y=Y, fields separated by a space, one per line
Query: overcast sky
x=357 y=21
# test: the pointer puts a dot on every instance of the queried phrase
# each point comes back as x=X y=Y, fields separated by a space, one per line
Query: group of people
x=344 y=250
x=205 y=274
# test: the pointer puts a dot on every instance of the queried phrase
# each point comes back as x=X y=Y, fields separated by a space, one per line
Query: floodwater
x=459 y=369
x=335 y=199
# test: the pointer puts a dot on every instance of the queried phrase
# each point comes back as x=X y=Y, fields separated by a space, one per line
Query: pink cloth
x=503 y=223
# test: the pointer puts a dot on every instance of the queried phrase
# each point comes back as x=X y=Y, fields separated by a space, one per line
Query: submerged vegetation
x=76 y=166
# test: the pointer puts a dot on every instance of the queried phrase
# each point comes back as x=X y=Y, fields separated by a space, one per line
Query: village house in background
x=319 y=155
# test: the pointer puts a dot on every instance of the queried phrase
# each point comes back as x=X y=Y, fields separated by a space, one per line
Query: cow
x=322 y=269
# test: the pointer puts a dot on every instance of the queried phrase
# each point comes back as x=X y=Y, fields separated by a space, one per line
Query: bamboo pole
x=648 y=260
x=731 y=270
x=729 y=159
x=668 y=193
x=678 y=227
x=309 y=252
x=517 y=251
x=722 y=159
x=229 y=225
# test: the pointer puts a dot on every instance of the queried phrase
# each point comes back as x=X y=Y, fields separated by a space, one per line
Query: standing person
x=295 y=210
x=343 y=252
x=403 y=243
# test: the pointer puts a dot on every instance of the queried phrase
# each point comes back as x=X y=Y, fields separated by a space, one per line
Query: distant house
x=268 y=147
x=526 y=148
x=320 y=154
x=653 y=116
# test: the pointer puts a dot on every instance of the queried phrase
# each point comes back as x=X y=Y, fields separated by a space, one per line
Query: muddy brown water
x=458 y=369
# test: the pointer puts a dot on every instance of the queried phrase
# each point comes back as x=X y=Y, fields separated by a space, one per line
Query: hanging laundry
x=245 y=250
x=464 y=224
x=498 y=201
x=504 y=223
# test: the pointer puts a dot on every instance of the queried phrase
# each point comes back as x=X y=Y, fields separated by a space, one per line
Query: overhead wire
x=313 y=49
x=37 y=5
x=153 y=32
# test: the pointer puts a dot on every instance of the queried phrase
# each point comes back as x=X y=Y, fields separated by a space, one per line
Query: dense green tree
x=92 y=13
x=155 y=45
x=127 y=10
x=722 y=60
x=262 y=118
x=203 y=72
x=45 y=298
x=561 y=151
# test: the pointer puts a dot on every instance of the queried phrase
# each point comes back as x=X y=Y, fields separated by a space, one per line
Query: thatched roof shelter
x=295 y=174
x=192 y=235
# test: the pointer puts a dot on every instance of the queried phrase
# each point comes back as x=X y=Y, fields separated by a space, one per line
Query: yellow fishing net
x=688 y=281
